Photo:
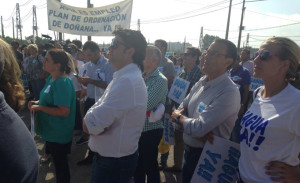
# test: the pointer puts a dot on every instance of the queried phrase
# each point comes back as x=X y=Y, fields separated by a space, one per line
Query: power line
x=189 y=16
x=26 y=16
x=273 y=27
x=26 y=3
x=269 y=36
x=272 y=16
x=12 y=14
x=185 y=13
x=40 y=6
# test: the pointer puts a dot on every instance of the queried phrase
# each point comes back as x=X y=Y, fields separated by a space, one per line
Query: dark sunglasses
x=264 y=55
x=115 y=43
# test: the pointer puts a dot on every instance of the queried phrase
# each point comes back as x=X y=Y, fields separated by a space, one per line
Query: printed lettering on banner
x=32 y=124
x=169 y=130
x=98 y=21
x=218 y=162
x=178 y=90
x=177 y=69
x=255 y=83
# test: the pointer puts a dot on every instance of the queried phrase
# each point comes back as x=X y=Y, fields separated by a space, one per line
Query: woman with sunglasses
x=270 y=129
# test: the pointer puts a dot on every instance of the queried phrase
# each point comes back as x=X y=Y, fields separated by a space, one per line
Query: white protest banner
x=177 y=69
x=32 y=124
x=169 y=130
x=99 y=21
x=255 y=83
x=218 y=162
x=178 y=90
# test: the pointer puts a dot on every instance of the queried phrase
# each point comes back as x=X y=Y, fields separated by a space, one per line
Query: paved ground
x=81 y=174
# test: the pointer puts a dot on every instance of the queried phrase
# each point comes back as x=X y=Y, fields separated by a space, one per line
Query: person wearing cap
x=157 y=89
x=211 y=107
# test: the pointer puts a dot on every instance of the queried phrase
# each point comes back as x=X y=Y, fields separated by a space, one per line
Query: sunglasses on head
x=115 y=43
x=264 y=55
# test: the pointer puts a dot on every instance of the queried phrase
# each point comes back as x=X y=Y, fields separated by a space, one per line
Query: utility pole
x=184 y=44
x=34 y=24
x=13 y=27
x=247 y=42
x=2 y=28
x=241 y=26
x=59 y=34
x=18 y=21
x=201 y=39
x=89 y=5
x=139 y=25
x=228 y=20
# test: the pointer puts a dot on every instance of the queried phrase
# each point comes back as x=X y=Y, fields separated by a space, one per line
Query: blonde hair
x=288 y=50
x=34 y=47
x=10 y=78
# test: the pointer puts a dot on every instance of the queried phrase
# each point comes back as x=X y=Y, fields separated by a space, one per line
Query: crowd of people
x=116 y=102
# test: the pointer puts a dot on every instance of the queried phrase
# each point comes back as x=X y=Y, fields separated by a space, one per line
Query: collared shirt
x=212 y=106
x=101 y=71
x=166 y=67
x=193 y=76
x=119 y=114
x=157 y=89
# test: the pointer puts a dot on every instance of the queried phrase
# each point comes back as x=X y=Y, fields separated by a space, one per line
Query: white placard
x=32 y=124
x=255 y=83
x=178 y=90
x=169 y=130
x=218 y=162
x=177 y=69
x=98 y=21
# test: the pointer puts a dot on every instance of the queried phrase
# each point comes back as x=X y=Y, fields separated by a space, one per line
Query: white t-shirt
x=270 y=130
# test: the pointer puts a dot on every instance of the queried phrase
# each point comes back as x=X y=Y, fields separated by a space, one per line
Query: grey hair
x=155 y=52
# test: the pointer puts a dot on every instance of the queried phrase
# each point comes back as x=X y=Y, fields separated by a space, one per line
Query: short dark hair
x=91 y=45
x=195 y=52
x=247 y=51
x=134 y=39
x=60 y=56
x=230 y=49
x=14 y=42
x=78 y=43
x=162 y=42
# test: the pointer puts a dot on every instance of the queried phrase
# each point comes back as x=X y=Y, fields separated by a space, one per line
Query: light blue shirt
x=212 y=106
x=101 y=71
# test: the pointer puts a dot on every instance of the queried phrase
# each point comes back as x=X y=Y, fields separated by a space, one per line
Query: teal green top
x=59 y=92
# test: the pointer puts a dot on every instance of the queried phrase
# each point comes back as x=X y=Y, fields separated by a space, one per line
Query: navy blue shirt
x=19 y=160
x=240 y=77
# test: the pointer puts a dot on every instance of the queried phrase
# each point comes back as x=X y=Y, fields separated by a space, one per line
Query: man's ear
x=130 y=52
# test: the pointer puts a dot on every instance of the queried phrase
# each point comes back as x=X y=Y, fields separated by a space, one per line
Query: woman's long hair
x=10 y=78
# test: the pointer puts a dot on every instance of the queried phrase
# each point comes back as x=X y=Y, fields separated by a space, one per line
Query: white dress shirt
x=212 y=106
x=120 y=114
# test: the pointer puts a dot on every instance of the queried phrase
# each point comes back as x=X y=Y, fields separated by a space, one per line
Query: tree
x=207 y=40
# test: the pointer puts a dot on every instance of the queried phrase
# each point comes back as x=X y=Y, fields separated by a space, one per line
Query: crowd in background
x=77 y=87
